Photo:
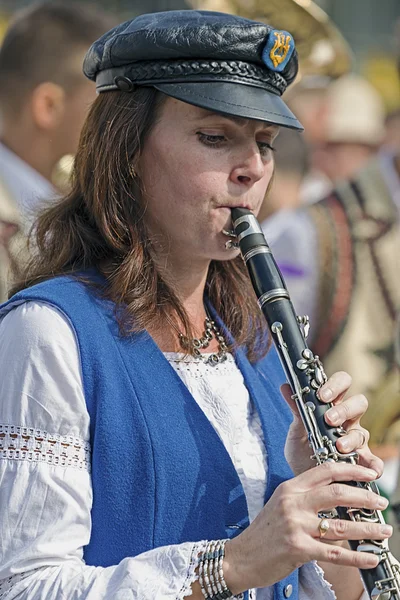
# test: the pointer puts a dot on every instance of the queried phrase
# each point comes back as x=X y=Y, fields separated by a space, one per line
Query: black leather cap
x=220 y=62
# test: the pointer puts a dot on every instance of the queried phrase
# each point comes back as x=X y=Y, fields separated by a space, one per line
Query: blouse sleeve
x=45 y=484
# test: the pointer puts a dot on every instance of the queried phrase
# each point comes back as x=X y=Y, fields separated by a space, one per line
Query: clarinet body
x=306 y=375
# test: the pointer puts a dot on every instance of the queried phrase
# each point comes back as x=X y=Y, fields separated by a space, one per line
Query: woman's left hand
x=345 y=412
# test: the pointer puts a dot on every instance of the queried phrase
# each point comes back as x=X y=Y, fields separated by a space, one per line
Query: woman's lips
x=231 y=206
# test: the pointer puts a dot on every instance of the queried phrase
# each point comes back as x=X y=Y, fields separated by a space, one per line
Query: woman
x=137 y=349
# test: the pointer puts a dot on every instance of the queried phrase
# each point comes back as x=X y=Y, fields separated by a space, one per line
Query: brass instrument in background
x=322 y=49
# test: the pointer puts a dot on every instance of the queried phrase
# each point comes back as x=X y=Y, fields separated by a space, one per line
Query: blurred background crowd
x=332 y=213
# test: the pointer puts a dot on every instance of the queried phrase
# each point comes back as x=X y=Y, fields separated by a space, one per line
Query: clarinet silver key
x=306 y=375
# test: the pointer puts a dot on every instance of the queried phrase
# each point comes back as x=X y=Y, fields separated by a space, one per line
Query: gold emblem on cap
x=281 y=48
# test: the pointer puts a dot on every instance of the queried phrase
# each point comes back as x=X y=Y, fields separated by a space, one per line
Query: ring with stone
x=323 y=527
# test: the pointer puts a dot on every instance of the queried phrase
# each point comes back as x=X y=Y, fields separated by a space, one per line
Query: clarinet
x=306 y=375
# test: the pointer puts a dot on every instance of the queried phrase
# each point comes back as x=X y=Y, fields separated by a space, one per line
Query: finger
x=354 y=440
x=340 y=529
x=340 y=494
x=335 y=387
x=330 y=472
x=338 y=555
x=370 y=461
x=351 y=409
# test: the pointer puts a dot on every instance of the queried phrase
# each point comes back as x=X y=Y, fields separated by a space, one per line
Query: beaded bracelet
x=211 y=574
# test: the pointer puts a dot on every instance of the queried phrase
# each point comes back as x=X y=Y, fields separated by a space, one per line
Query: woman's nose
x=249 y=169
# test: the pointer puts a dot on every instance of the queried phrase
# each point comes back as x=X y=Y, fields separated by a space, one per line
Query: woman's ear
x=48 y=105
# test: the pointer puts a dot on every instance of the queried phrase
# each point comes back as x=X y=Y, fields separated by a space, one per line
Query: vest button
x=287 y=592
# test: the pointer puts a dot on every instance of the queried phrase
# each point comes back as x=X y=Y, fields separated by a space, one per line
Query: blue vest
x=160 y=473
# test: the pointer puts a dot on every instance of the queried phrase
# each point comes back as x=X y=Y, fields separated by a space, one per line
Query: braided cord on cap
x=152 y=72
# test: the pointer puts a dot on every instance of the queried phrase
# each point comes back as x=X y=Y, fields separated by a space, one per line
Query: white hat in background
x=355 y=112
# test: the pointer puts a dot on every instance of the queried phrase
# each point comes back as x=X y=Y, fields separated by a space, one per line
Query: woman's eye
x=210 y=140
x=216 y=141
x=265 y=148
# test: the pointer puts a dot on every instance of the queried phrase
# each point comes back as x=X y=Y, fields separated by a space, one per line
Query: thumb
x=287 y=393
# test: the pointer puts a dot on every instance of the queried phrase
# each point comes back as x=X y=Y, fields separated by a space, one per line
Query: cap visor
x=235 y=99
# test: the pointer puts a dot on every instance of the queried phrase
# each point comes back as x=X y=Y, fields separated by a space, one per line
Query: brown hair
x=100 y=224
x=41 y=45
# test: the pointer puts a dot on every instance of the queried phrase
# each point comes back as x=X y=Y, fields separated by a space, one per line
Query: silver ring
x=364 y=437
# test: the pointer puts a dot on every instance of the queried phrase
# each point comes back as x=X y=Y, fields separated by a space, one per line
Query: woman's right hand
x=285 y=534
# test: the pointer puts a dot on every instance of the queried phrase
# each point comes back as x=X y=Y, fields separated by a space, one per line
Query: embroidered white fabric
x=45 y=503
x=233 y=416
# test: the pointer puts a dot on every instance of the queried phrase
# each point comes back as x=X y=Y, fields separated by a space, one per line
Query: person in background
x=392 y=135
x=353 y=128
x=340 y=259
x=393 y=511
x=148 y=452
x=44 y=98
x=308 y=100
x=292 y=164
x=292 y=157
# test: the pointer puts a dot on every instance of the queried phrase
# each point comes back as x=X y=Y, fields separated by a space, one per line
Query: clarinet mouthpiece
x=239 y=212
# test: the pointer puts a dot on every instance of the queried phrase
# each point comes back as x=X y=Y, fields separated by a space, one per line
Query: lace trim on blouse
x=199 y=367
x=34 y=445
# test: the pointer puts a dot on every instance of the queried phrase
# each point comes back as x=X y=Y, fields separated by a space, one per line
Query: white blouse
x=45 y=484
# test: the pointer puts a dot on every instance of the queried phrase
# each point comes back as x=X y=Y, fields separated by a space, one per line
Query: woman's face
x=196 y=166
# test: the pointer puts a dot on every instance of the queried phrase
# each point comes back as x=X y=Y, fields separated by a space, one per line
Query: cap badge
x=278 y=50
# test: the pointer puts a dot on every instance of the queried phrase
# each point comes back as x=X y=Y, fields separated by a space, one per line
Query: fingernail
x=344 y=444
x=333 y=415
x=326 y=394
x=373 y=473
x=371 y=563
x=387 y=529
x=383 y=503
